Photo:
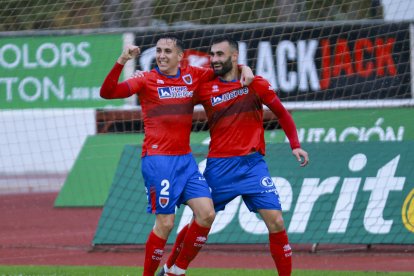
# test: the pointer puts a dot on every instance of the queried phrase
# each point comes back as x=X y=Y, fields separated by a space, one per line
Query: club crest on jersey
x=267 y=182
x=171 y=92
x=163 y=201
x=215 y=88
x=188 y=79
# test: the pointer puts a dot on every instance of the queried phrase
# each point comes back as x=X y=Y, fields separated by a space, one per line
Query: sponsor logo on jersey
x=267 y=182
x=160 y=82
x=229 y=96
x=215 y=88
x=163 y=201
x=188 y=79
x=171 y=92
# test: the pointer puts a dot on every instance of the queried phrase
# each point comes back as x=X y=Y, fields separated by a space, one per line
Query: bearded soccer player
x=170 y=172
x=235 y=164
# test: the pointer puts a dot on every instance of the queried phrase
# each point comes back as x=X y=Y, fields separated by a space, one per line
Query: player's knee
x=210 y=217
x=165 y=226
x=206 y=219
x=280 y=222
x=168 y=226
x=277 y=224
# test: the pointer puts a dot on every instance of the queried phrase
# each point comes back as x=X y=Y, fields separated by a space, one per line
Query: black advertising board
x=317 y=62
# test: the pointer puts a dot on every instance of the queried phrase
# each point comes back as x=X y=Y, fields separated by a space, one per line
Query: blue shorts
x=247 y=176
x=171 y=181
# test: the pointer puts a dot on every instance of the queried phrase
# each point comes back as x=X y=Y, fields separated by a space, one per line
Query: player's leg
x=190 y=239
x=176 y=248
x=175 y=251
x=154 y=247
x=261 y=196
x=163 y=193
x=198 y=197
x=221 y=202
x=278 y=241
x=220 y=181
x=203 y=215
x=197 y=232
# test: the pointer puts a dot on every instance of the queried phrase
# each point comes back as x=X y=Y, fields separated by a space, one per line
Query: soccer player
x=235 y=164
x=170 y=172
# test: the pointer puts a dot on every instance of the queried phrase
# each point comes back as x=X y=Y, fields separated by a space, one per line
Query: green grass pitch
x=129 y=271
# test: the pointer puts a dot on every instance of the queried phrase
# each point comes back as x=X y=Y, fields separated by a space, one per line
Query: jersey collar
x=225 y=81
x=167 y=76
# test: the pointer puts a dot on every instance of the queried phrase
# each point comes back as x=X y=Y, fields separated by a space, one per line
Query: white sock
x=176 y=270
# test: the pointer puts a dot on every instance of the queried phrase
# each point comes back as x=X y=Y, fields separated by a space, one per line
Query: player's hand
x=129 y=52
x=246 y=76
x=301 y=156
x=137 y=74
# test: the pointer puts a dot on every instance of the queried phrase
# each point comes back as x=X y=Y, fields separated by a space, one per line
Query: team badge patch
x=267 y=182
x=188 y=79
x=163 y=201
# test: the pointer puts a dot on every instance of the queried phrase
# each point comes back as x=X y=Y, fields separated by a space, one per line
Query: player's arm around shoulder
x=202 y=92
x=246 y=75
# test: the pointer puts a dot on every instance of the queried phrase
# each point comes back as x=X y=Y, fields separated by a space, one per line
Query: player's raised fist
x=129 y=52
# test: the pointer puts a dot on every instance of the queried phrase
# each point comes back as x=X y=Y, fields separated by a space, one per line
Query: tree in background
x=17 y=15
x=127 y=13
x=331 y=10
x=264 y=11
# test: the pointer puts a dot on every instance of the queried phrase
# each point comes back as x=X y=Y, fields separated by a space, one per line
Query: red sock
x=281 y=252
x=194 y=240
x=154 y=249
x=178 y=245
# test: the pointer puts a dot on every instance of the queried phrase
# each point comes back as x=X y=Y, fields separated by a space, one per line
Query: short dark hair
x=178 y=42
x=224 y=38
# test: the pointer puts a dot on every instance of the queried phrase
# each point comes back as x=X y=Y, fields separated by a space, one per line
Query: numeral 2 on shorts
x=166 y=185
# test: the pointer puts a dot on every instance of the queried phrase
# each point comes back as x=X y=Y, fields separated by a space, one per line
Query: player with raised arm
x=170 y=172
x=235 y=164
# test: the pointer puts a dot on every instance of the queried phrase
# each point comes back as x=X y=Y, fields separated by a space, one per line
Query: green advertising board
x=353 y=125
x=56 y=71
x=349 y=193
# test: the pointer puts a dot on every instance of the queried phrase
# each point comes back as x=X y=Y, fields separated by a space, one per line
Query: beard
x=226 y=67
